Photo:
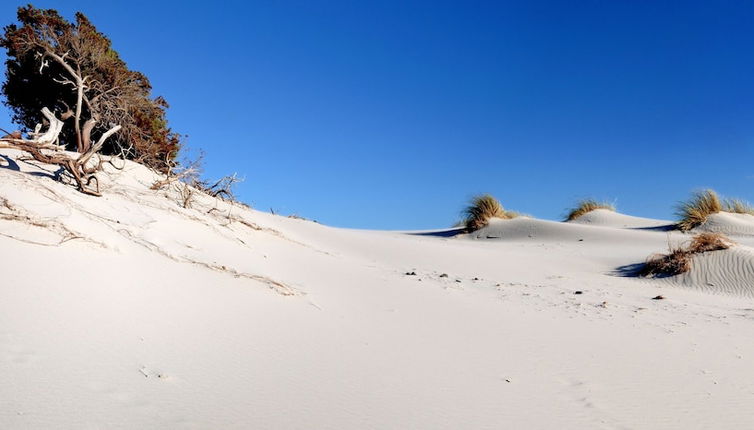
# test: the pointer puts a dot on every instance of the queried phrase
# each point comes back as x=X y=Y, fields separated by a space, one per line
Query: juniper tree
x=73 y=69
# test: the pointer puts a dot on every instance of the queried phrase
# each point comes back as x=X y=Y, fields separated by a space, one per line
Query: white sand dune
x=527 y=229
x=608 y=218
x=729 y=271
x=129 y=311
x=729 y=223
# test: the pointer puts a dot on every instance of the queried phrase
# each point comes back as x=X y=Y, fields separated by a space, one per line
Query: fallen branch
x=45 y=149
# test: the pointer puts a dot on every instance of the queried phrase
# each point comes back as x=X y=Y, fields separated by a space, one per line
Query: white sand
x=730 y=223
x=128 y=311
x=608 y=218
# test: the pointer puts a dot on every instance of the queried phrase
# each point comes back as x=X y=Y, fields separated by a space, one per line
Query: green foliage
x=125 y=95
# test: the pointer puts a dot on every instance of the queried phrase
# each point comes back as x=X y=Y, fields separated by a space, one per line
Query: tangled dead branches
x=44 y=148
x=188 y=178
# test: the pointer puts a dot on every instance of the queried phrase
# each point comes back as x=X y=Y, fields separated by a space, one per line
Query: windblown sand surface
x=730 y=224
x=608 y=218
x=129 y=311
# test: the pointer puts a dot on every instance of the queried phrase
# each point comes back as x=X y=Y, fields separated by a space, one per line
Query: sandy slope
x=729 y=223
x=608 y=218
x=129 y=311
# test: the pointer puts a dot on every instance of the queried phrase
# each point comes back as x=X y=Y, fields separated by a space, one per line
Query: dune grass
x=738 y=206
x=675 y=262
x=705 y=242
x=678 y=259
x=481 y=209
x=586 y=206
x=694 y=212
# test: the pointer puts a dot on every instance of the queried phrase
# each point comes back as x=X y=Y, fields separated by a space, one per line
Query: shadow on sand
x=628 y=271
x=668 y=227
x=441 y=233
x=634 y=271
x=9 y=164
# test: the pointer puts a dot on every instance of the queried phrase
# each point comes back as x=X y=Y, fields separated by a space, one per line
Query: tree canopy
x=73 y=69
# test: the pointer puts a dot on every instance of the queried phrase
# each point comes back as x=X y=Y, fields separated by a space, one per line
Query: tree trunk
x=77 y=115
x=43 y=148
x=86 y=135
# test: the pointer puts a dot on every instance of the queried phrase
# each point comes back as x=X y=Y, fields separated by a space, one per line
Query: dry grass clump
x=702 y=204
x=481 y=208
x=678 y=260
x=704 y=242
x=586 y=206
x=675 y=262
x=694 y=212
x=738 y=206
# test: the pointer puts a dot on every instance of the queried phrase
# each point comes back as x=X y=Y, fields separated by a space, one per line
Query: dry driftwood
x=44 y=148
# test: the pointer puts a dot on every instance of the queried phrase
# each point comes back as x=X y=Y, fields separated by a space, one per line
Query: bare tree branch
x=43 y=149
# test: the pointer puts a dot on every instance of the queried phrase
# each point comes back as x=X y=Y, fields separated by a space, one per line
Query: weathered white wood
x=51 y=135
x=43 y=147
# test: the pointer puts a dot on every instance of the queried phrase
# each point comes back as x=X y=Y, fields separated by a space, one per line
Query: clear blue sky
x=390 y=115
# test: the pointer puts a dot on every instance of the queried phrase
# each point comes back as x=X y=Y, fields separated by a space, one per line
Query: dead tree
x=222 y=188
x=44 y=148
x=71 y=66
x=81 y=59
x=80 y=84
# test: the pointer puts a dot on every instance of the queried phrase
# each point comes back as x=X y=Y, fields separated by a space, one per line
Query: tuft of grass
x=586 y=206
x=702 y=204
x=675 y=262
x=678 y=259
x=738 y=206
x=705 y=242
x=694 y=212
x=481 y=208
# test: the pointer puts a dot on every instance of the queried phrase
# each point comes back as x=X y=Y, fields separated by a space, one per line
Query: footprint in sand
x=580 y=393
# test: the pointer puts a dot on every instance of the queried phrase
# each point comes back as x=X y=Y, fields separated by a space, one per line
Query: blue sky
x=390 y=115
